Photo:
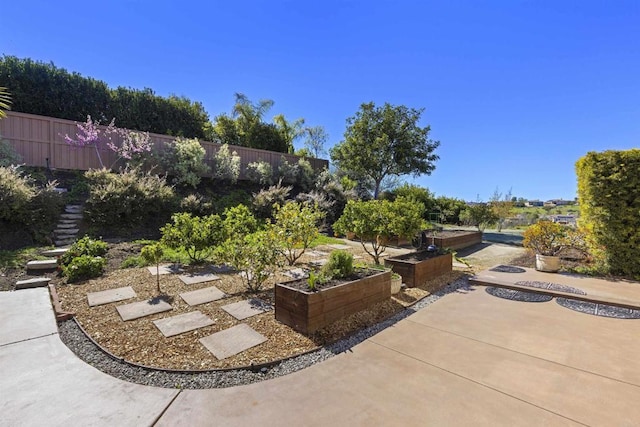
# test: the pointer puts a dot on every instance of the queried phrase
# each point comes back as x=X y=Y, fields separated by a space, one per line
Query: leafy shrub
x=230 y=200
x=305 y=175
x=339 y=266
x=84 y=267
x=287 y=172
x=226 y=165
x=264 y=201
x=127 y=200
x=322 y=201
x=45 y=208
x=184 y=160
x=295 y=226
x=8 y=155
x=196 y=235
x=608 y=184
x=255 y=255
x=239 y=221
x=260 y=172
x=85 y=246
x=196 y=205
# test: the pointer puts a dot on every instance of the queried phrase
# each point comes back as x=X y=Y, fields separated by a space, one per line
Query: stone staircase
x=65 y=234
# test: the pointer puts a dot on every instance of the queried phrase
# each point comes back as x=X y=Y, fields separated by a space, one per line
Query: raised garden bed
x=307 y=311
x=455 y=239
x=416 y=268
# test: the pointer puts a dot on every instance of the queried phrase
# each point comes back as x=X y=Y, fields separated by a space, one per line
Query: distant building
x=564 y=219
x=532 y=203
x=560 y=202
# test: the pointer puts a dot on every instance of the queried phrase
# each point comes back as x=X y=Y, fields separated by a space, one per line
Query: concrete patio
x=468 y=359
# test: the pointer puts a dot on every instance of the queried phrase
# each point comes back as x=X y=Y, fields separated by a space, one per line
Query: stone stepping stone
x=319 y=262
x=66 y=226
x=358 y=257
x=232 y=341
x=296 y=273
x=222 y=269
x=68 y=221
x=139 y=309
x=64 y=242
x=71 y=216
x=73 y=209
x=339 y=247
x=202 y=296
x=110 y=295
x=182 y=323
x=45 y=264
x=66 y=231
x=247 y=308
x=192 y=279
x=55 y=252
x=165 y=269
x=60 y=190
x=316 y=253
x=38 y=282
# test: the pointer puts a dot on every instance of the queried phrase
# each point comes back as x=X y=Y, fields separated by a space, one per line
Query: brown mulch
x=139 y=340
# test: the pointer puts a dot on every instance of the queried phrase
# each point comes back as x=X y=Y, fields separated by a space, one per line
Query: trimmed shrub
x=196 y=205
x=127 y=200
x=196 y=235
x=184 y=160
x=339 y=266
x=609 y=195
x=8 y=155
x=260 y=172
x=84 y=267
x=264 y=200
x=226 y=165
x=16 y=193
x=85 y=246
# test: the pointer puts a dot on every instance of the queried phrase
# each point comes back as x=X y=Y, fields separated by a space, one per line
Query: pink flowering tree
x=133 y=147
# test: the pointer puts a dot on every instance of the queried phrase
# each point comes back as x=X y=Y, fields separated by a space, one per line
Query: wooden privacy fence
x=40 y=142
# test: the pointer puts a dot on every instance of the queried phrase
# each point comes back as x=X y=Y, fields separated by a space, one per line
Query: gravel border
x=514 y=295
x=551 y=286
x=508 y=269
x=74 y=338
x=597 y=309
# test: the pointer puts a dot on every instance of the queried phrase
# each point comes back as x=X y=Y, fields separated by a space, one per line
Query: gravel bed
x=514 y=295
x=603 y=310
x=85 y=349
x=551 y=286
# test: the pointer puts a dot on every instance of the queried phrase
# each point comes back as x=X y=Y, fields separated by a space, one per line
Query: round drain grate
x=514 y=295
x=507 y=269
x=596 y=309
x=551 y=287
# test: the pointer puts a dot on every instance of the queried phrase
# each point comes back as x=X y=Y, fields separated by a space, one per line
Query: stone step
x=64 y=242
x=55 y=252
x=37 y=282
x=43 y=264
x=72 y=224
x=71 y=216
x=73 y=209
x=66 y=231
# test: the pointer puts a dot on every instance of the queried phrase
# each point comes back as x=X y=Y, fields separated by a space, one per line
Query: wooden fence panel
x=38 y=138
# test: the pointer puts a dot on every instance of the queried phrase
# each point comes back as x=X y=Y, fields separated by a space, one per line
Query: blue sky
x=515 y=91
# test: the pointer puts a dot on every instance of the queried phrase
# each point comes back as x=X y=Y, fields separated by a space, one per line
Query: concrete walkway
x=468 y=359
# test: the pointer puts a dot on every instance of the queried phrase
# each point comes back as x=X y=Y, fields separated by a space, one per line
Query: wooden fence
x=40 y=142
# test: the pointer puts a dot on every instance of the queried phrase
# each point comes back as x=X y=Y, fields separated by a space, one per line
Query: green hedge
x=609 y=196
x=40 y=88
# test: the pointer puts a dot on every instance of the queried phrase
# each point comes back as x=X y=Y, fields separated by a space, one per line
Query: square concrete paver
x=247 y=308
x=139 y=309
x=165 y=269
x=296 y=273
x=319 y=262
x=232 y=341
x=182 y=323
x=192 y=279
x=202 y=296
x=340 y=247
x=110 y=295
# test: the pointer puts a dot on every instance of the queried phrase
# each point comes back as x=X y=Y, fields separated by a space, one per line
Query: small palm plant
x=5 y=101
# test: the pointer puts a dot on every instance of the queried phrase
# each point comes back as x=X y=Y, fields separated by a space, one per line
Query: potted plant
x=548 y=239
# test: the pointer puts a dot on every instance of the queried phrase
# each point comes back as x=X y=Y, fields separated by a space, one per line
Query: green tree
x=196 y=235
x=502 y=207
x=376 y=221
x=153 y=254
x=479 y=215
x=385 y=141
x=290 y=131
x=295 y=226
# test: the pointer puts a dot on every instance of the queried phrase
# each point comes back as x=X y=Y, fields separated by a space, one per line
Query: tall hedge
x=40 y=88
x=609 y=196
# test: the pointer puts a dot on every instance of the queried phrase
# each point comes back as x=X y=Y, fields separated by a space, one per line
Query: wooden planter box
x=465 y=240
x=415 y=273
x=307 y=311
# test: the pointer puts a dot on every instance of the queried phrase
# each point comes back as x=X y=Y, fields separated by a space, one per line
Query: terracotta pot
x=550 y=264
